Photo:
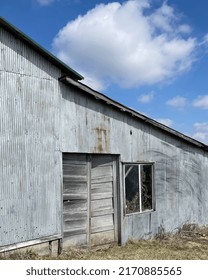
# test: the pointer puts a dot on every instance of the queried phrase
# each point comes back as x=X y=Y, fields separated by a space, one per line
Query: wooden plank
x=73 y=232
x=76 y=240
x=104 y=185
x=101 y=171
x=102 y=223
x=101 y=196
x=102 y=212
x=107 y=203
x=79 y=170
x=102 y=190
x=72 y=178
x=75 y=224
x=101 y=228
x=103 y=179
x=75 y=206
x=72 y=196
x=75 y=187
x=102 y=238
x=74 y=216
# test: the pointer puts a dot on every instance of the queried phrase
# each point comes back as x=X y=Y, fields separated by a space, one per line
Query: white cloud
x=122 y=44
x=177 y=101
x=205 y=40
x=45 y=2
x=201 y=102
x=92 y=82
x=201 y=136
x=162 y=18
x=146 y=98
x=201 y=126
x=201 y=131
x=185 y=28
x=167 y=122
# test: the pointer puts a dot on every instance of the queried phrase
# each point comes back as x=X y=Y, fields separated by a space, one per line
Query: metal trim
x=30 y=243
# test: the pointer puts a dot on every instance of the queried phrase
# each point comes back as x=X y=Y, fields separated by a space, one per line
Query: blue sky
x=150 y=55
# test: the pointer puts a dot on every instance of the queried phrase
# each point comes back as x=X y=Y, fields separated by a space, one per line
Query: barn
x=80 y=169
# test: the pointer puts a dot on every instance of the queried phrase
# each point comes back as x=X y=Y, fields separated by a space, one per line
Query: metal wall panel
x=180 y=177
x=17 y=58
x=30 y=165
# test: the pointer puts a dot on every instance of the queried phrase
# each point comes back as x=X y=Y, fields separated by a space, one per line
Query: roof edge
x=134 y=113
x=34 y=45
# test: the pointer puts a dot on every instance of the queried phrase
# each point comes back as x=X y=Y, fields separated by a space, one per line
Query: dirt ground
x=190 y=243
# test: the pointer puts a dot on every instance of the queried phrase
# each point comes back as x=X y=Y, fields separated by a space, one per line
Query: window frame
x=139 y=164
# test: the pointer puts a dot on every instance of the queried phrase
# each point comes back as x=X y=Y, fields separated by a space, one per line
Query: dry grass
x=191 y=243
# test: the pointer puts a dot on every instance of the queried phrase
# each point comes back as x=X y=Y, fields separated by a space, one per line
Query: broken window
x=138 y=187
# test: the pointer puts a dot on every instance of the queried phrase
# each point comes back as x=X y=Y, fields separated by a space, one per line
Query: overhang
x=124 y=109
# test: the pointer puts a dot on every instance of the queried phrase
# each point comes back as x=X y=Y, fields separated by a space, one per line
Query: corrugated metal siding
x=16 y=57
x=181 y=177
x=30 y=166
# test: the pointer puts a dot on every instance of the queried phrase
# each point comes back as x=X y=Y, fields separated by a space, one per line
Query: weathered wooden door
x=75 y=199
x=89 y=199
x=103 y=182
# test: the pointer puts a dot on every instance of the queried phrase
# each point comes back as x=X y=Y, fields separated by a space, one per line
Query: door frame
x=116 y=195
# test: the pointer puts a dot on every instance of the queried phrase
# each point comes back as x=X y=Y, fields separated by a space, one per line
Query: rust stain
x=103 y=140
x=102 y=136
x=86 y=120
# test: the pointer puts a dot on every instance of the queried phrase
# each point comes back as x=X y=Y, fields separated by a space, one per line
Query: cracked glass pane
x=132 y=189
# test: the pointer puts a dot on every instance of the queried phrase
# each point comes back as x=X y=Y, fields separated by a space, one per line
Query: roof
x=132 y=112
x=35 y=46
